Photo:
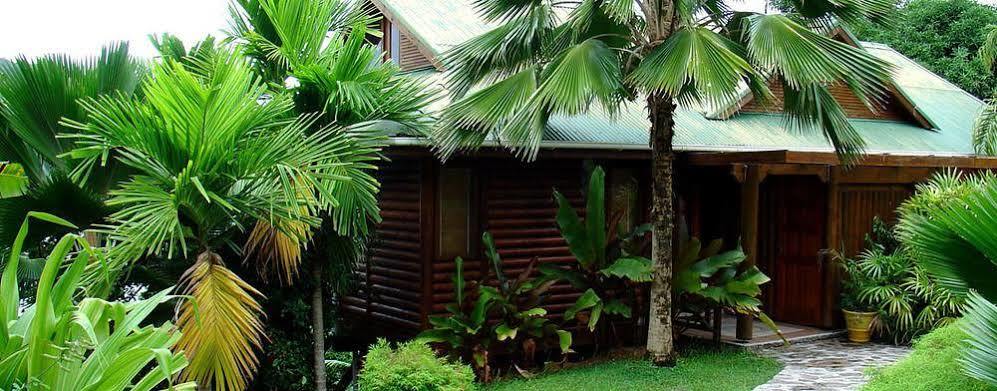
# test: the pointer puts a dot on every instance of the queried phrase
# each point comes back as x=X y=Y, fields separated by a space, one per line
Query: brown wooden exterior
x=786 y=209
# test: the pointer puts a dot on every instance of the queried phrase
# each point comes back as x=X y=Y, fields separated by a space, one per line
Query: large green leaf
x=980 y=357
x=595 y=215
x=637 y=269
x=574 y=232
x=13 y=181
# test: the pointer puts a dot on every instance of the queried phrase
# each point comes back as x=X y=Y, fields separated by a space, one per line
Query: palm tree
x=955 y=242
x=212 y=152
x=321 y=45
x=551 y=58
x=35 y=95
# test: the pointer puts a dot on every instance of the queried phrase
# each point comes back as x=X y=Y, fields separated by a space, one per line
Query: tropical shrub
x=954 y=241
x=609 y=263
x=885 y=279
x=413 y=366
x=61 y=343
x=706 y=278
x=522 y=326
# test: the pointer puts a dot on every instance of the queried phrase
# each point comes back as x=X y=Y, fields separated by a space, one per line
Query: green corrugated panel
x=441 y=24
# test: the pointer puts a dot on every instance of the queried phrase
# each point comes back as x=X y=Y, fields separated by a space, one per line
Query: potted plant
x=859 y=314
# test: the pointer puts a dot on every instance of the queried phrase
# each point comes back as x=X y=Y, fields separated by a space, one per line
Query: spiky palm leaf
x=37 y=93
x=956 y=244
x=210 y=160
x=322 y=44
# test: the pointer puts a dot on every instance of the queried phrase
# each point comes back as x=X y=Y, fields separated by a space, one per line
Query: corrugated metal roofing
x=441 y=24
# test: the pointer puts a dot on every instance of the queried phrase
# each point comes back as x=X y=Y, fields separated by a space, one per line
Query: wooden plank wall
x=390 y=285
x=518 y=208
x=859 y=204
x=410 y=57
x=854 y=108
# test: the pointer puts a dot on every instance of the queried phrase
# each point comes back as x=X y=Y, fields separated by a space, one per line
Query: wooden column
x=749 y=235
x=832 y=272
x=427 y=219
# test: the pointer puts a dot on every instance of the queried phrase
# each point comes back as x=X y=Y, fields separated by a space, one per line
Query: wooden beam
x=829 y=158
x=749 y=236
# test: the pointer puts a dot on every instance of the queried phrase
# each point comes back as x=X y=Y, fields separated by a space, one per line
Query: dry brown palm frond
x=221 y=325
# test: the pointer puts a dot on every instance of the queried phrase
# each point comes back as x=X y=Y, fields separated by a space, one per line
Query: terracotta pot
x=859 y=325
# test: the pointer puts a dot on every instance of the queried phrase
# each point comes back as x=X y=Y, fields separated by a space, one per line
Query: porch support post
x=749 y=235
x=832 y=272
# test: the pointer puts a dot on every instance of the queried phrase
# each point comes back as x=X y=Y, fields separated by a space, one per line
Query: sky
x=81 y=27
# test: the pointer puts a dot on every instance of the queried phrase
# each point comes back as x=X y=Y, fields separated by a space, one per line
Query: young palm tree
x=213 y=152
x=550 y=58
x=321 y=45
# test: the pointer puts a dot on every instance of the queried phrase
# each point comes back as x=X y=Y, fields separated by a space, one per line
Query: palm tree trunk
x=660 y=344
x=318 y=327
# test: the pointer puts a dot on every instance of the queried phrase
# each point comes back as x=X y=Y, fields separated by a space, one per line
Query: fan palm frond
x=980 y=358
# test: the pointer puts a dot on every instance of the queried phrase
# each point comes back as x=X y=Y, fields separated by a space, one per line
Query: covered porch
x=791 y=212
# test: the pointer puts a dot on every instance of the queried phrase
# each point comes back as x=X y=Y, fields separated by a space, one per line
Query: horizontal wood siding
x=410 y=57
x=889 y=109
x=390 y=285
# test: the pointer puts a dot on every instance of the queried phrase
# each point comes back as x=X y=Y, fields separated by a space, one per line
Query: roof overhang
x=830 y=159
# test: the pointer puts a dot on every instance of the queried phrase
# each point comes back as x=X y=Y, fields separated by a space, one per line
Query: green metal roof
x=441 y=24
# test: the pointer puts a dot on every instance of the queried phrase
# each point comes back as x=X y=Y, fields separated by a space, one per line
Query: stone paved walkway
x=828 y=365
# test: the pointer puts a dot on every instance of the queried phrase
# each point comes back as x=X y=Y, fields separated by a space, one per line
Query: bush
x=933 y=365
x=412 y=367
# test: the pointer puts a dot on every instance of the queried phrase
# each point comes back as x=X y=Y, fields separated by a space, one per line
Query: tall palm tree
x=548 y=58
x=212 y=152
x=35 y=95
x=321 y=45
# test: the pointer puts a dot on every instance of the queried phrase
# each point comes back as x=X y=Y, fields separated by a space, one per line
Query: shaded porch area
x=762 y=335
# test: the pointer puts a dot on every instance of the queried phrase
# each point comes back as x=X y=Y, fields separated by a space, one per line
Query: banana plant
x=606 y=266
x=707 y=278
x=59 y=343
x=520 y=326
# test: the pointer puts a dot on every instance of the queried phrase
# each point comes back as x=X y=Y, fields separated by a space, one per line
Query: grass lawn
x=699 y=368
x=931 y=366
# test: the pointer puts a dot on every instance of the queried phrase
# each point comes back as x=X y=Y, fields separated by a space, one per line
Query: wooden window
x=623 y=189
x=455 y=224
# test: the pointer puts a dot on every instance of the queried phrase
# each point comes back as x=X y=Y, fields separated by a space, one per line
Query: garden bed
x=700 y=367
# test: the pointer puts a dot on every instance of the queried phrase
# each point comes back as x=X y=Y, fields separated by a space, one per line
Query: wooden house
x=743 y=175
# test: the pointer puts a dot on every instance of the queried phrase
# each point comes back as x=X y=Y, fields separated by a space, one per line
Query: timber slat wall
x=390 y=287
x=518 y=209
x=410 y=58
x=854 y=108
x=859 y=204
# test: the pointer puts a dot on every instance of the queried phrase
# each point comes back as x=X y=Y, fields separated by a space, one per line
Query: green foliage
x=543 y=59
x=705 y=278
x=944 y=36
x=955 y=243
x=412 y=367
x=933 y=365
x=885 y=279
x=609 y=262
x=522 y=326
x=61 y=343
x=699 y=368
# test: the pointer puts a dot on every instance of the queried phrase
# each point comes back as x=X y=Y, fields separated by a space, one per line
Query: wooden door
x=792 y=235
